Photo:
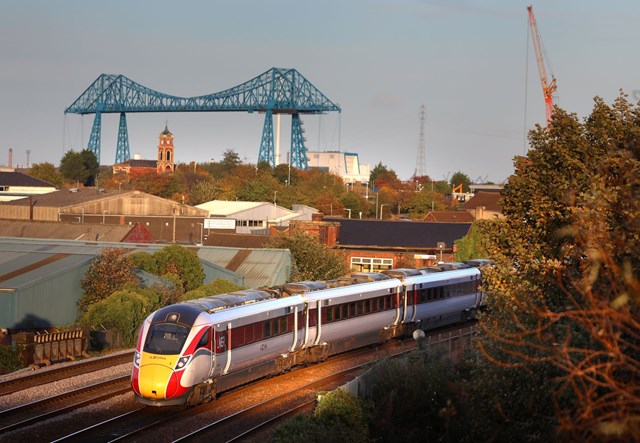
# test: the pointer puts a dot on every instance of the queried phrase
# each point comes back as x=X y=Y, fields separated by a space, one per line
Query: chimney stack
x=10 y=158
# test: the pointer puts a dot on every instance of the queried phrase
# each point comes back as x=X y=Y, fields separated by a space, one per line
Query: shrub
x=9 y=359
x=216 y=287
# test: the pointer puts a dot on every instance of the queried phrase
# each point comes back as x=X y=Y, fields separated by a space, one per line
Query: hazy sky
x=470 y=63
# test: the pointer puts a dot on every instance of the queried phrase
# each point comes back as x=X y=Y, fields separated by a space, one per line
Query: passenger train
x=188 y=351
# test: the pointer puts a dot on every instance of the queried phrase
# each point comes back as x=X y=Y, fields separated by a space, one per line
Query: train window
x=367 y=306
x=283 y=325
x=166 y=338
x=237 y=338
x=329 y=314
x=204 y=341
x=267 y=329
x=351 y=310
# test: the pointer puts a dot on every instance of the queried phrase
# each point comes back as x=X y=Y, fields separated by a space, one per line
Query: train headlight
x=182 y=362
x=136 y=359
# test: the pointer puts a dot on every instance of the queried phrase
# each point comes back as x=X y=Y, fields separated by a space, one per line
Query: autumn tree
x=47 y=172
x=312 y=260
x=176 y=259
x=107 y=273
x=459 y=178
x=563 y=287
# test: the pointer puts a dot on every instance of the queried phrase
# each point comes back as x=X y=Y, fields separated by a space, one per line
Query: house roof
x=20 y=179
x=449 y=217
x=237 y=240
x=399 y=234
x=490 y=201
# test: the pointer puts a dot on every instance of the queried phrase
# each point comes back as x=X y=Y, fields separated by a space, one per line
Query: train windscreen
x=166 y=338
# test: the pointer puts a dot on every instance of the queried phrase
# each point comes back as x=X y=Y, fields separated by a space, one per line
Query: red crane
x=548 y=87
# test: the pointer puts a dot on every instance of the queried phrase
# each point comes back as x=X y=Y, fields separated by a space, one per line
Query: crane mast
x=548 y=87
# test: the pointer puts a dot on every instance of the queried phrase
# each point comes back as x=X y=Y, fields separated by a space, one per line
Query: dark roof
x=20 y=179
x=399 y=234
x=237 y=240
x=490 y=201
x=140 y=163
x=449 y=217
x=166 y=130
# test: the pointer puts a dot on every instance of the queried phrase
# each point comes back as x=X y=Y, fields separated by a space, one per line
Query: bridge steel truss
x=276 y=91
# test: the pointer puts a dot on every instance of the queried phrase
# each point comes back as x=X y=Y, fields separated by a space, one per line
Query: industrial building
x=40 y=279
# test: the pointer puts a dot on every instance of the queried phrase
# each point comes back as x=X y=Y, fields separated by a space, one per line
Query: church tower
x=165 y=152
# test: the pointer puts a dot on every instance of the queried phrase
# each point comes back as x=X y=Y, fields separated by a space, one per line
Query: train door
x=221 y=348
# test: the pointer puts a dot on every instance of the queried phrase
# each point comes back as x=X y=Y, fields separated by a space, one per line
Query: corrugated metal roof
x=263 y=267
x=226 y=208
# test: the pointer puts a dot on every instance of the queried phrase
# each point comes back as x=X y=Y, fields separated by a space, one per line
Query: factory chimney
x=10 y=164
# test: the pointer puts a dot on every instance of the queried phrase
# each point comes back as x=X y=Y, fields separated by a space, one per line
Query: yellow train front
x=173 y=356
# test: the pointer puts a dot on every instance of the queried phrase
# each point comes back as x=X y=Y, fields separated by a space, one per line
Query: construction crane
x=548 y=87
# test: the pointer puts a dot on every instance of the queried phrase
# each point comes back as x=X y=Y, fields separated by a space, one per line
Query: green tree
x=82 y=167
x=107 y=273
x=312 y=260
x=230 y=160
x=123 y=311
x=202 y=192
x=474 y=244
x=176 y=259
x=216 y=287
x=459 y=178
x=47 y=172
x=562 y=271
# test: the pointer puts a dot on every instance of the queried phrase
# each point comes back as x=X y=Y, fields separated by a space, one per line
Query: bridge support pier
x=94 y=139
x=266 y=153
x=122 y=149
x=298 y=150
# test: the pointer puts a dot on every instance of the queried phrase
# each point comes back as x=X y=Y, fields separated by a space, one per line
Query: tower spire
x=420 y=170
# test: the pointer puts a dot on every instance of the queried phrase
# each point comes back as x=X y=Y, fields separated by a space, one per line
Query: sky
x=470 y=63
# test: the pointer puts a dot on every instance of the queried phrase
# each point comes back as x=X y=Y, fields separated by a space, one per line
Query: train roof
x=222 y=301
x=257 y=308
x=354 y=289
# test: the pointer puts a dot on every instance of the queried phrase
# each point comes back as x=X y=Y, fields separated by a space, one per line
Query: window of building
x=369 y=264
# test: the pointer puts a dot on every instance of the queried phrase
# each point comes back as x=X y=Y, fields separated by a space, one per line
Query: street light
x=347 y=209
x=382 y=206
x=201 y=226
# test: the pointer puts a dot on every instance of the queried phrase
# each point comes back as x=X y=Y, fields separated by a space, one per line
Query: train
x=188 y=352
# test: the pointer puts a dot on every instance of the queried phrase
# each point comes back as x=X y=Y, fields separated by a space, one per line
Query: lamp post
x=201 y=226
x=103 y=216
x=348 y=209
x=381 y=207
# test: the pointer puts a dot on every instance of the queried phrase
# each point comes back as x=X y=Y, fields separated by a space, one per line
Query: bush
x=339 y=416
x=9 y=359
x=123 y=312
x=216 y=287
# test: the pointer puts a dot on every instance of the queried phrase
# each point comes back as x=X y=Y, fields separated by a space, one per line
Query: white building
x=16 y=185
x=344 y=164
x=252 y=217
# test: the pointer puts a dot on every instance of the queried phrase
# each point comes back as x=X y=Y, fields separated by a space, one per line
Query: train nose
x=157 y=382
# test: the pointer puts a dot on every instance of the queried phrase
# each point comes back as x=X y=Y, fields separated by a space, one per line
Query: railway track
x=38 y=378
x=40 y=410
x=137 y=425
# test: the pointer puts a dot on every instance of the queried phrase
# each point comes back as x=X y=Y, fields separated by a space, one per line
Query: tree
x=176 y=259
x=47 y=172
x=123 y=312
x=230 y=160
x=107 y=273
x=216 y=287
x=312 y=260
x=82 y=167
x=473 y=245
x=563 y=285
x=202 y=192
x=458 y=178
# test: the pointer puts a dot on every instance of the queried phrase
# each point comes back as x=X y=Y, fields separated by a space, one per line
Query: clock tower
x=165 y=152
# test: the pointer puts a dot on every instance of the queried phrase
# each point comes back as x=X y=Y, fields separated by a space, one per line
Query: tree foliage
x=123 y=311
x=459 y=178
x=216 y=287
x=82 y=167
x=564 y=281
x=47 y=172
x=312 y=260
x=176 y=259
x=107 y=273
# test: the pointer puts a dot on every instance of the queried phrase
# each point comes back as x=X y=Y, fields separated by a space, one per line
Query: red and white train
x=188 y=351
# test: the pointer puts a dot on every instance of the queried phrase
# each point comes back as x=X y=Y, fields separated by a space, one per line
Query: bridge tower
x=122 y=148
